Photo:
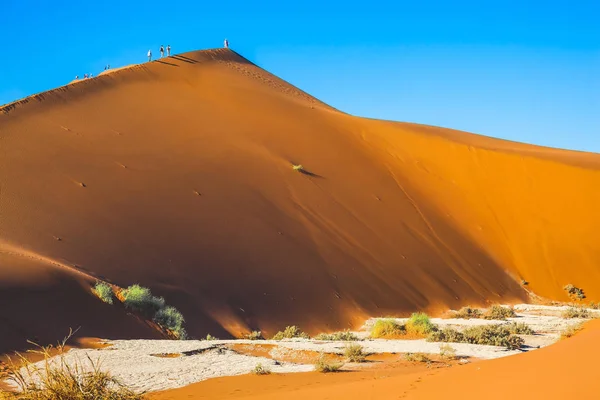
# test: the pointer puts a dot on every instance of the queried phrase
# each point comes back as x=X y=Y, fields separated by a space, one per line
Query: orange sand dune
x=177 y=174
x=554 y=372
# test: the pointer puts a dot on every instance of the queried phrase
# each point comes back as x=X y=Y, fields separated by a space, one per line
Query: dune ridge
x=177 y=174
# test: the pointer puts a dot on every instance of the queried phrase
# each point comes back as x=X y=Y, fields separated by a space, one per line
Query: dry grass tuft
x=290 y=332
x=354 y=353
x=344 y=336
x=574 y=292
x=576 y=312
x=387 y=328
x=466 y=313
x=417 y=357
x=499 y=313
x=571 y=331
x=254 y=335
x=419 y=324
x=261 y=370
x=322 y=365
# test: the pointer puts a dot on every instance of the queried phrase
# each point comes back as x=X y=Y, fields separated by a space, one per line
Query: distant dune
x=177 y=175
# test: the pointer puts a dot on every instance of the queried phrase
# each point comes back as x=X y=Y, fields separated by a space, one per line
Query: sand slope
x=177 y=174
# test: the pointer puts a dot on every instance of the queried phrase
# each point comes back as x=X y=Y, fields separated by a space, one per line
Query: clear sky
x=521 y=70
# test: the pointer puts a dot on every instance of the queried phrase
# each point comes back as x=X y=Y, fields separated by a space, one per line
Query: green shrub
x=254 y=335
x=447 y=352
x=446 y=335
x=494 y=335
x=420 y=324
x=104 y=292
x=574 y=292
x=290 y=332
x=298 y=167
x=345 y=336
x=467 y=313
x=322 y=365
x=354 y=353
x=261 y=370
x=417 y=357
x=594 y=306
x=519 y=328
x=576 y=312
x=171 y=319
x=500 y=313
x=210 y=337
x=387 y=328
x=140 y=299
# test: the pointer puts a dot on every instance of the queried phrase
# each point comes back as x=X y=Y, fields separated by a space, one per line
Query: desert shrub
x=354 y=353
x=387 y=327
x=290 y=332
x=498 y=312
x=576 y=312
x=447 y=352
x=417 y=357
x=210 y=337
x=254 y=335
x=570 y=331
x=467 y=313
x=140 y=299
x=519 y=328
x=574 y=292
x=494 y=335
x=261 y=370
x=419 y=323
x=171 y=319
x=322 y=365
x=446 y=335
x=344 y=336
x=104 y=292
x=594 y=306
x=298 y=167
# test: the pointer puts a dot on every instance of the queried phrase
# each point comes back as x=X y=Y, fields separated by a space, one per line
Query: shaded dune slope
x=176 y=174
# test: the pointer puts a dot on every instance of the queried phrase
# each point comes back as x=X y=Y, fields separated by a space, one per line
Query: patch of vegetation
x=261 y=370
x=298 y=167
x=171 y=319
x=447 y=352
x=576 y=312
x=140 y=299
x=574 y=292
x=500 y=313
x=519 y=328
x=524 y=282
x=570 y=331
x=344 y=336
x=354 y=353
x=446 y=335
x=290 y=332
x=387 y=328
x=417 y=357
x=467 y=313
x=594 y=306
x=104 y=292
x=494 y=335
x=254 y=335
x=210 y=337
x=322 y=365
x=420 y=324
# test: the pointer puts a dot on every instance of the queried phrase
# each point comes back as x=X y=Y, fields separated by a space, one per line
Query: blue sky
x=522 y=70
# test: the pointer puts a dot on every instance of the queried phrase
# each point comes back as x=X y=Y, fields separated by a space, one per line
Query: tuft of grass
x=576 y=312
x=420 y=324
x=446 y=335
x=387 y=328
x=290 y=332
x=447 y=352
x=298 y=167
x=467 y=313
x=171 y=319
x=519 y=328
x=354 y=353
x=594 y=306
x=574 y=292
x=261 y=370
x=570 y=331
x=524 y=282
x=344 y=336
x=322 y=365
x=494 y=335
x=254 y=335
x=417 y=357
x=140 y=299
x=210 y=337
x=104 y=292
x=500 y=313
x=55 y=379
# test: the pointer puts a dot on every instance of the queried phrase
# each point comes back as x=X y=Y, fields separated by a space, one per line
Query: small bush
x=254 y=335
x=576 y=312
x=298 y=167
x=210 y=337
x=322 y=365
x=387 y=328
x=104 y=292
x=417 y=357
x=261 y=370
x=420 y=324
x=446 y=335
x=594 y=306
x=140 y=299
x=570 y=331
x=494 y=335
x=519 y=328
x=171 y=319
x=290 y=332
x=467 y=313
x=447 y=352
x=500 y=313
x=345 y=336
x=354 y=353
x=574 y=293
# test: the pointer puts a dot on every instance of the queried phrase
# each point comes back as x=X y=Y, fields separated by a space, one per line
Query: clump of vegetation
x=576 y=312
x=594 y=306
x=570 y=331
x=519 y=328
x=524 y=282
x=417 y=357
x=261 y=370
x=254 y=335
x=298 y=167
x=210 y=337
x=322 y=365
x=104 y=292
x=344 y=336
x=500 y=313
x=420 y=324
x=290 y=332
x=574 y=292
x=171 y=319
x=140 y=299
x=446 y=335
x=387 y=328
x=56 y=379
x=467 y=313
x=447 y=352
x=354 y=353
x=494 y=335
